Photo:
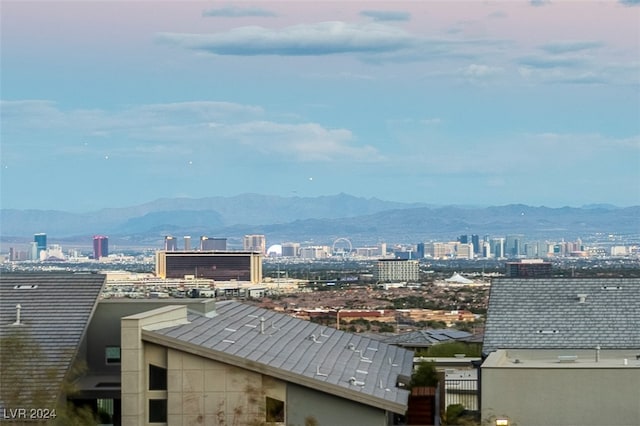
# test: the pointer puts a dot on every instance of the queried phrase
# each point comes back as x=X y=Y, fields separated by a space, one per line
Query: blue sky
x=112 y=104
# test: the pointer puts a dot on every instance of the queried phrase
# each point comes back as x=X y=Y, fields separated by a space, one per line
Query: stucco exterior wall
x=304 y=404
x=206 y=392
x=562 y=396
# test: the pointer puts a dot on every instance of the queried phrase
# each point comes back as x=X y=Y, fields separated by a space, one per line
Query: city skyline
x=116 y=104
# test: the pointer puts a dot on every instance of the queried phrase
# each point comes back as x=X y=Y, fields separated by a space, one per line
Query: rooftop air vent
x=582 y=298
x=611 y=287
x=18 y=308
x=25 y=287
x=548 y=331
x=353 y=381
x=567 y=358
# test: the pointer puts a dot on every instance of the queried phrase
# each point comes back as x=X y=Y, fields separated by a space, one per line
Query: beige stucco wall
x=206 y=392
x=562 y=396
x=200 y=391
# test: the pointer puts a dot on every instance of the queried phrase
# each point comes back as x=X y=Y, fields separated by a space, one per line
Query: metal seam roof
x=290 y=349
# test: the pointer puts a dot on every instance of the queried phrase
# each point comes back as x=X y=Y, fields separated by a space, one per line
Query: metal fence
x=462 y=391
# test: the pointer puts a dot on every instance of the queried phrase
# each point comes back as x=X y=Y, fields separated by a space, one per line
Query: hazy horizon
x=116 y=104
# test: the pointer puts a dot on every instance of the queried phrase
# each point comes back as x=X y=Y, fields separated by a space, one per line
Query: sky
x=114 y=103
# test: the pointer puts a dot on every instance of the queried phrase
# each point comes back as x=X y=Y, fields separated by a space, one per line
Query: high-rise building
x=210 y=243
x=497 y=247
x=528 y=268
x=41 y=244
x=514 y=245
x=216 y=265
x=187 y=242
x=420 y=251
x=464 y=239
x=290 y=249
x=389 y=270
x=255 y=243
x=170 y=243
x=477 y=247
x=464 y=251
x=100 y=246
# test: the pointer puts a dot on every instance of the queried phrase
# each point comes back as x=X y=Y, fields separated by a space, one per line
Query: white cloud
x=214 y=129
x=386 y=15
x=477 y=70
x=569 y=46
x=239 y=12
x=371 y=42
x=324 y=38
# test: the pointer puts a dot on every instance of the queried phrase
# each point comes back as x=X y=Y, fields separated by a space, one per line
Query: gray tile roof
x=426 y=338
x=302 y=352
x=55 y=312
x=547 y=314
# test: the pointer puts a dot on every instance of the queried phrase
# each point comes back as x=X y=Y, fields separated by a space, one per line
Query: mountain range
x=314 y=219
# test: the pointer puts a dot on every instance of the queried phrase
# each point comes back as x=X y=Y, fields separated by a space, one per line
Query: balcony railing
x=462 y=391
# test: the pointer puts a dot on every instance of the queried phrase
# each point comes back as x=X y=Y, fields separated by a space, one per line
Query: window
x=157 y=411
x=275 y=410
x=112 y=355
x=157 y=378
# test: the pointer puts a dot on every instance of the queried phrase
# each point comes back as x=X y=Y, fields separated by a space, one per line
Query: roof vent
x=18 y=308
x=25 y=287
x=353 y=381
x=611 y=287
x=582 y=298
x=567 y=358
x=548 y=331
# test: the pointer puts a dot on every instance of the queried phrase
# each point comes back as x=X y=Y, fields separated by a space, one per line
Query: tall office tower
x=531 y=250
x=486 y=249
x=100 y=246
x=420 y=251
x=41 y=244
x=290 y=249
x=187 y=242
x=33 y=251
x=477 y=247
x=383 y=249
x=497 y=247
x=464 y=239
x=215 y=244
x=514 y=245
x=170 y=243
x=256 y=243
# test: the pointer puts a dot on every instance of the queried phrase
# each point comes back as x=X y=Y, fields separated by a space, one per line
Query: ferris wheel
x=341 y=247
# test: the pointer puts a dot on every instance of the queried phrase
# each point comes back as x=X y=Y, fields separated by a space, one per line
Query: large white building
x=396 y=270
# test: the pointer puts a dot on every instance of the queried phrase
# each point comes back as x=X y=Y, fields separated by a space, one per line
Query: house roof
x=426 y=338
x=55 y=309
x=336 y=362
x=563 y=313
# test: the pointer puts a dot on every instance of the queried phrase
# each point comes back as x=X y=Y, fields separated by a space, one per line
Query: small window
x=112 y=355
x=275 y=410
x=157 y=411
x=157 y=378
